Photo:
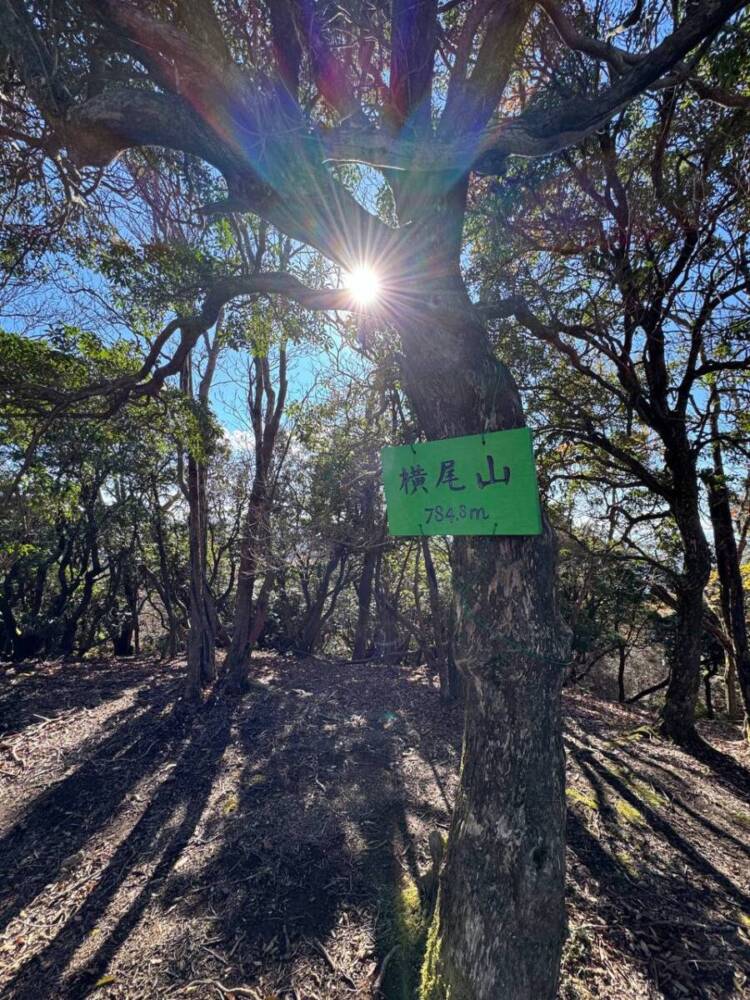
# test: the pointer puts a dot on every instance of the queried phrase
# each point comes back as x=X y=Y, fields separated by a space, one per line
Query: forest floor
x=273 y=849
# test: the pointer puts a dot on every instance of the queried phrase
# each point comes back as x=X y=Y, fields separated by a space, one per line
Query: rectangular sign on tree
x=484 y=484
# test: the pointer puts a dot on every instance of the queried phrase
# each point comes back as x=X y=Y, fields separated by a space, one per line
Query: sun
x=364 y=285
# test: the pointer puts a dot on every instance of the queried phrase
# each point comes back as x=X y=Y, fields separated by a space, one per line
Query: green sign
x=479 y=485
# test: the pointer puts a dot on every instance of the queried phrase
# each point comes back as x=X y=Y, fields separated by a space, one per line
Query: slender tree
x=265 y=402
x=201 y=642
x=728 y=567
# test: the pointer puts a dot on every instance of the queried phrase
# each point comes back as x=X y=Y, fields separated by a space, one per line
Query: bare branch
x=616 y=57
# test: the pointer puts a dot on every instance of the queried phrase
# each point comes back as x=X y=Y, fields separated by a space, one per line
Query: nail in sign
x=484 y=484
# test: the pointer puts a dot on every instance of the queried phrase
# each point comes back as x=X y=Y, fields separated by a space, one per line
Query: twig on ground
x=334 y=968
x=227 y=991
x=378 y=984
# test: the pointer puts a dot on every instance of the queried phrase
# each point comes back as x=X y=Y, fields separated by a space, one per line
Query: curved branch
x=519 y=308
x=149 y=378
x=616 y=57
x=719 y=96
x=536 y=133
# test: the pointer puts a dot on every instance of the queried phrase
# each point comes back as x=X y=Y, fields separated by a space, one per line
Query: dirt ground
x=275 y=849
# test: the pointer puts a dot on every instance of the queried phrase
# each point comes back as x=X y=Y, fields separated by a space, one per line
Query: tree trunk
x=265 y=406
x=715 y=659
x=10 y=625
x=70 y=628
x=498 y=927
x=131 y=595
x=165 y=587
x=201 y=642
x=254 y=539
x=730 y=583
x=326 y=593
x=730 y=687
x=122 y=643
x=678 y=713
x=450 y=679
x=623 y=657
x=364 y=602
x=387 y=643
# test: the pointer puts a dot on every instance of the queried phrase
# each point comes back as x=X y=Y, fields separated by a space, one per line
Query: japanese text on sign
x=484 y=484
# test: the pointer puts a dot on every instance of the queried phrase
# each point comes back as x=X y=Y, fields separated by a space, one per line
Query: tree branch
x=536 y=133
x=413 y=42
x=616 y=57
x=470 y=103
x=149 y=379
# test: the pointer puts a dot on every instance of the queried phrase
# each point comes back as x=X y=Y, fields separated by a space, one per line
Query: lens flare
x=364 y=285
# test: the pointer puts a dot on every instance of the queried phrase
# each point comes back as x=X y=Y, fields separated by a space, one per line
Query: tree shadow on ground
x=725 y=770
x=49 y=834
x=44 y=691
x=318 y=840
x=279 y=841
x=641 y=861
x=252 y=846
x=673 y=787
x=155 y=844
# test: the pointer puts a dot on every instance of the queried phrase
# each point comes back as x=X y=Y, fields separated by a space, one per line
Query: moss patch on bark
x=432 y=984
x=406 y=933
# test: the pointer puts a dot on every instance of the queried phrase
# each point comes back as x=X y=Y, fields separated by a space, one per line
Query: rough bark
x=499 y=923
x=678 y=713
x=730 y=579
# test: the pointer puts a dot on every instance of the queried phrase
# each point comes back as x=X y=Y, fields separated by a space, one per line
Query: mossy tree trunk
x=499 y=923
